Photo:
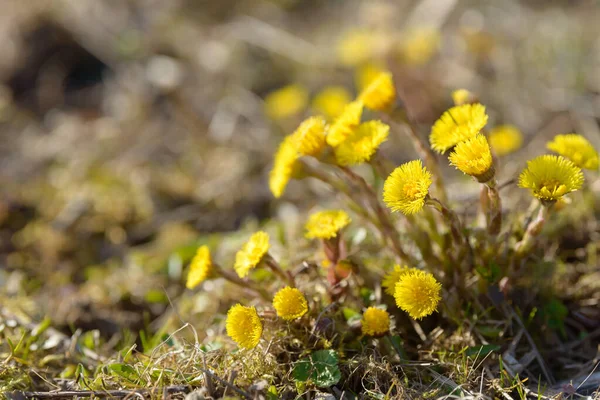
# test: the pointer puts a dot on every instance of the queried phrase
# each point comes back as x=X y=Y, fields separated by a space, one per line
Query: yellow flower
x=406 y=187
x=200 y=268
x=366 y=74
x=287 y=101
x=284 y=166
x=391 y=278
x=360 y=146
x=418 y=293
x=359 y=46
x=504 y=139
x=380 y=94
x=331 y=101
x=551 y=177
x=576 y=148
x=375 y=322
x=309 y=138
x=244 y=326
x=419 y=45
x=290 y=303
x=326 y=224
x=462 y=96
x=456 y=125
x=251 y=253
x=474 y=157
x=345 y=124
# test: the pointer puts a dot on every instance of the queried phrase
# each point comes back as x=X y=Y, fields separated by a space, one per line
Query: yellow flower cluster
x=361 y=144
x=331 y=101
x=284 y=166
x=286 y=101
x=505 y=139
x=576 y=148
x=345 y=123
x=290 y=303
x=309 y=137
x=407 y=187
x=418 y=293
x=456 y=125
x=251 y=253
x=550 y=177
x=244 y=326
x=200 y=268
x=375 y=322
x=474 y=157
x=326 y=224
x=391 y=278
x=380 y=94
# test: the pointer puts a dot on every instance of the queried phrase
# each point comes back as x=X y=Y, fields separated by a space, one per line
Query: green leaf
x=481 y=351
x=321 y=368
x=555 y=313
x=125 y=371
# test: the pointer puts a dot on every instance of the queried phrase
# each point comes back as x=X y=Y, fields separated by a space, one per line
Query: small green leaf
x=481 y=351
x=125 y=371
x=321 y=368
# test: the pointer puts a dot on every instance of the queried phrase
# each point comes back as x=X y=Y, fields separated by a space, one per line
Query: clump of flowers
x=380 y=94
x=284 y=166
x=360 y=146
x=290 y=303
x=457 y=124
x=331 y=101
x=200 y=268
x=244 y=326
x=309 y=138
x=345 y=124
x=418 y=293
x=474 y=157
x=326 y=224
x=550 y=177
x=286 y=101
x=576 y=148
x=407 y=187
x=375 y=322
x=252 y=253
x=505 y=139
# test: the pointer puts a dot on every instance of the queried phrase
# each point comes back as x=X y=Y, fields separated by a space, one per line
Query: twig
x=67 y=394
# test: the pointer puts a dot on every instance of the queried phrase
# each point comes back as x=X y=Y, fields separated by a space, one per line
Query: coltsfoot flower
x=457 y=124
x=391 y=278
x=366 y=74
x=284 y=166
x=331 y=101
x=244 y=326
x=375 y=322
x=251 y=253
x=200 y=268
x=309 y=137
x=419 y=45
x=504 y=139
x=418 y=293
x=406 y=187
x=474 y=157
x=360 y=146
x=380 y=94
x=326 y=224
x=550 y=177
x=462 y=96
x=345 y=124
x=290 y=303
x=576 y=148
x=286 y=101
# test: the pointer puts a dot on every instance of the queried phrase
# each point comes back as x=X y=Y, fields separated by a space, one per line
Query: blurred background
x=133 y=130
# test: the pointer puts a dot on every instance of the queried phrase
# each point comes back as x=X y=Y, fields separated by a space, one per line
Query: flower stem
x=534 y=228
x=450 y=216
x=277 y=270
x=236 y=280
x=494 y=211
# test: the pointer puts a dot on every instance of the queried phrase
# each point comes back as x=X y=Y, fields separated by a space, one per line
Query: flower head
x=251 y=253
x=391 y=278
x=345 y=123
x=326 y=224
x=284 y=166
x=418 y=293
x=474 y=157
x=406 y=187
x=375 y=322
x=360 y=146
x=200 y=268
x=550 y=177
x=380 y=94
x=462 y=96
x=290 y=303
x=504 y=139
x=366 y=74
x=286 y=101
x=576 y=148
x=419 y=45
x=456 y=125
x=331 y=101
x=309 y=137
x=244 y=326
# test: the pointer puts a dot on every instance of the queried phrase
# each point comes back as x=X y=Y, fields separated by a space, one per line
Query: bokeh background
x=133 y=130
